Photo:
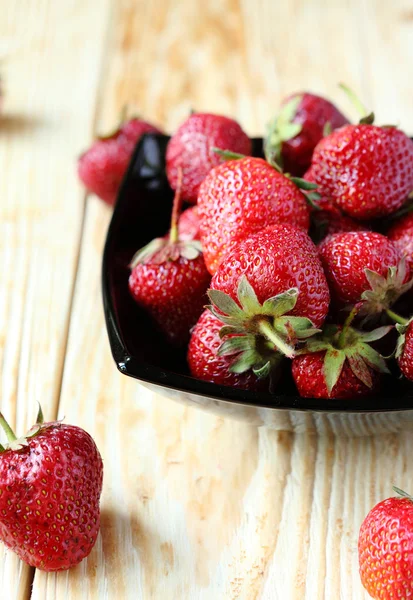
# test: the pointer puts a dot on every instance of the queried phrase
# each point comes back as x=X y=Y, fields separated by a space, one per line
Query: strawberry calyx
x=402 y=493
x=281 y=129
x=259 y=334
x=342 y=344
x=15 y=443
x=401 y=325
x=385 y=290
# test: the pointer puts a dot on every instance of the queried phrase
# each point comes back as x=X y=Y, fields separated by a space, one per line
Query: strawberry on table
x=363 y=265
x=385 y=549
x=191 y=149
x=169 y=279
x=366 y=170
x=207 y=363
x=297 y=129
x=339 y=363
x=401 y=234
x=102 y=167
x=242 y=197
x=50 y=486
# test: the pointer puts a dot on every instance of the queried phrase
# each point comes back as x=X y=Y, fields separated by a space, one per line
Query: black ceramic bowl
x=142 y=213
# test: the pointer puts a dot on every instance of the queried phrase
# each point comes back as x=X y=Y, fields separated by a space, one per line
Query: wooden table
x=193 y=506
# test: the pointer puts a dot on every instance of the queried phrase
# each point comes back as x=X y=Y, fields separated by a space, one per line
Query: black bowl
x=139 y=349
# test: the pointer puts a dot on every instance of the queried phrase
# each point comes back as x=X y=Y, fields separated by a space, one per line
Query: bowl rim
x=133 y=367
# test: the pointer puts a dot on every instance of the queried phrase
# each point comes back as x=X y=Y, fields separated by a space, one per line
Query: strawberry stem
x=227 y=154
x=7 y=429
x=176 y=209
x=2 y=448
x=268 y=332
x=396 y=318
x=347 y=323
x=356 y=102
x=402 y=493
x=40 y=417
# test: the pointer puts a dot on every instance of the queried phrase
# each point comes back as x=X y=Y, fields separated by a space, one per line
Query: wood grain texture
x=193 y=506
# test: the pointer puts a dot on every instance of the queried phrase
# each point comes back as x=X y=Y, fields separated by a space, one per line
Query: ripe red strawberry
x=242 y=197
x=50 y=485
x=295 y=132
x=102 y=167
x=191 y=149
x=207 y=364
x=404 y=353
x=169 y=279
x=366 y=170
x=366 y=266
x=189 y=224
x=401 y=234
x=385 y=549
x=339 y=364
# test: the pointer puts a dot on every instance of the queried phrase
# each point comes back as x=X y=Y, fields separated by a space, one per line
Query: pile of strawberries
x=304 y=258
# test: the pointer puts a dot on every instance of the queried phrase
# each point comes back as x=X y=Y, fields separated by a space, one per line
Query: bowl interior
x=139 y=349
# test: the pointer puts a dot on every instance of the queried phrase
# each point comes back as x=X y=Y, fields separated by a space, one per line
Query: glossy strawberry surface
x=313 y=114
x=345 y=256
x=242 y=197
x=275 y=260
x=385 y=550
x=401 y=234
x=366 y=170
x=308 y=373
x=102 y=167
x=49 y=497
x=405 y=359
x=204 y=362
x=173 y=292
x=189 y=224
x=191 y=149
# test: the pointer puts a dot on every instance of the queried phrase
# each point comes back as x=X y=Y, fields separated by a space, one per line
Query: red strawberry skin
x=385 y=550
x=401 y=235
x=274 y=260
x=366 y=170
x=102 y=167
x=191 y=149
x=189 y=224
x=49 y=497
x=406 y=358
x=173 y=292
x=345 y=256
x=309 y=378
x=242 y=197
x=313 y=113
x=204 y=362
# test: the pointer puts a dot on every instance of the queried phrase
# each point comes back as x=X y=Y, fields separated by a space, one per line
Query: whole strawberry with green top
x=169 y=280
x=297 y=129
x=191 y=149
x=363 y=265
x=242 y=197
x=270 y=293
x=339 y=363
x=366 y=170
x=385 y=549
x=50 y=486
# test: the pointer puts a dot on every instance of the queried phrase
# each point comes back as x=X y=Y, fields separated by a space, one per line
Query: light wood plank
x=195 y=506
x=51 y=54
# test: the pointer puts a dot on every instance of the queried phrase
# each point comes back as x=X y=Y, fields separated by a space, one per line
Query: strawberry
x=366 y=170
x=401 y=234
x=385 y=549
x=206 y=363
x=189 y=224
x=50 y=485
x=102 y=167
x=242 y=197
x=404 y=352
x=270 y=293
x=339 y=364
x=363 y=265
x=191 y=149
x=299 y=126
x=169 y=279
